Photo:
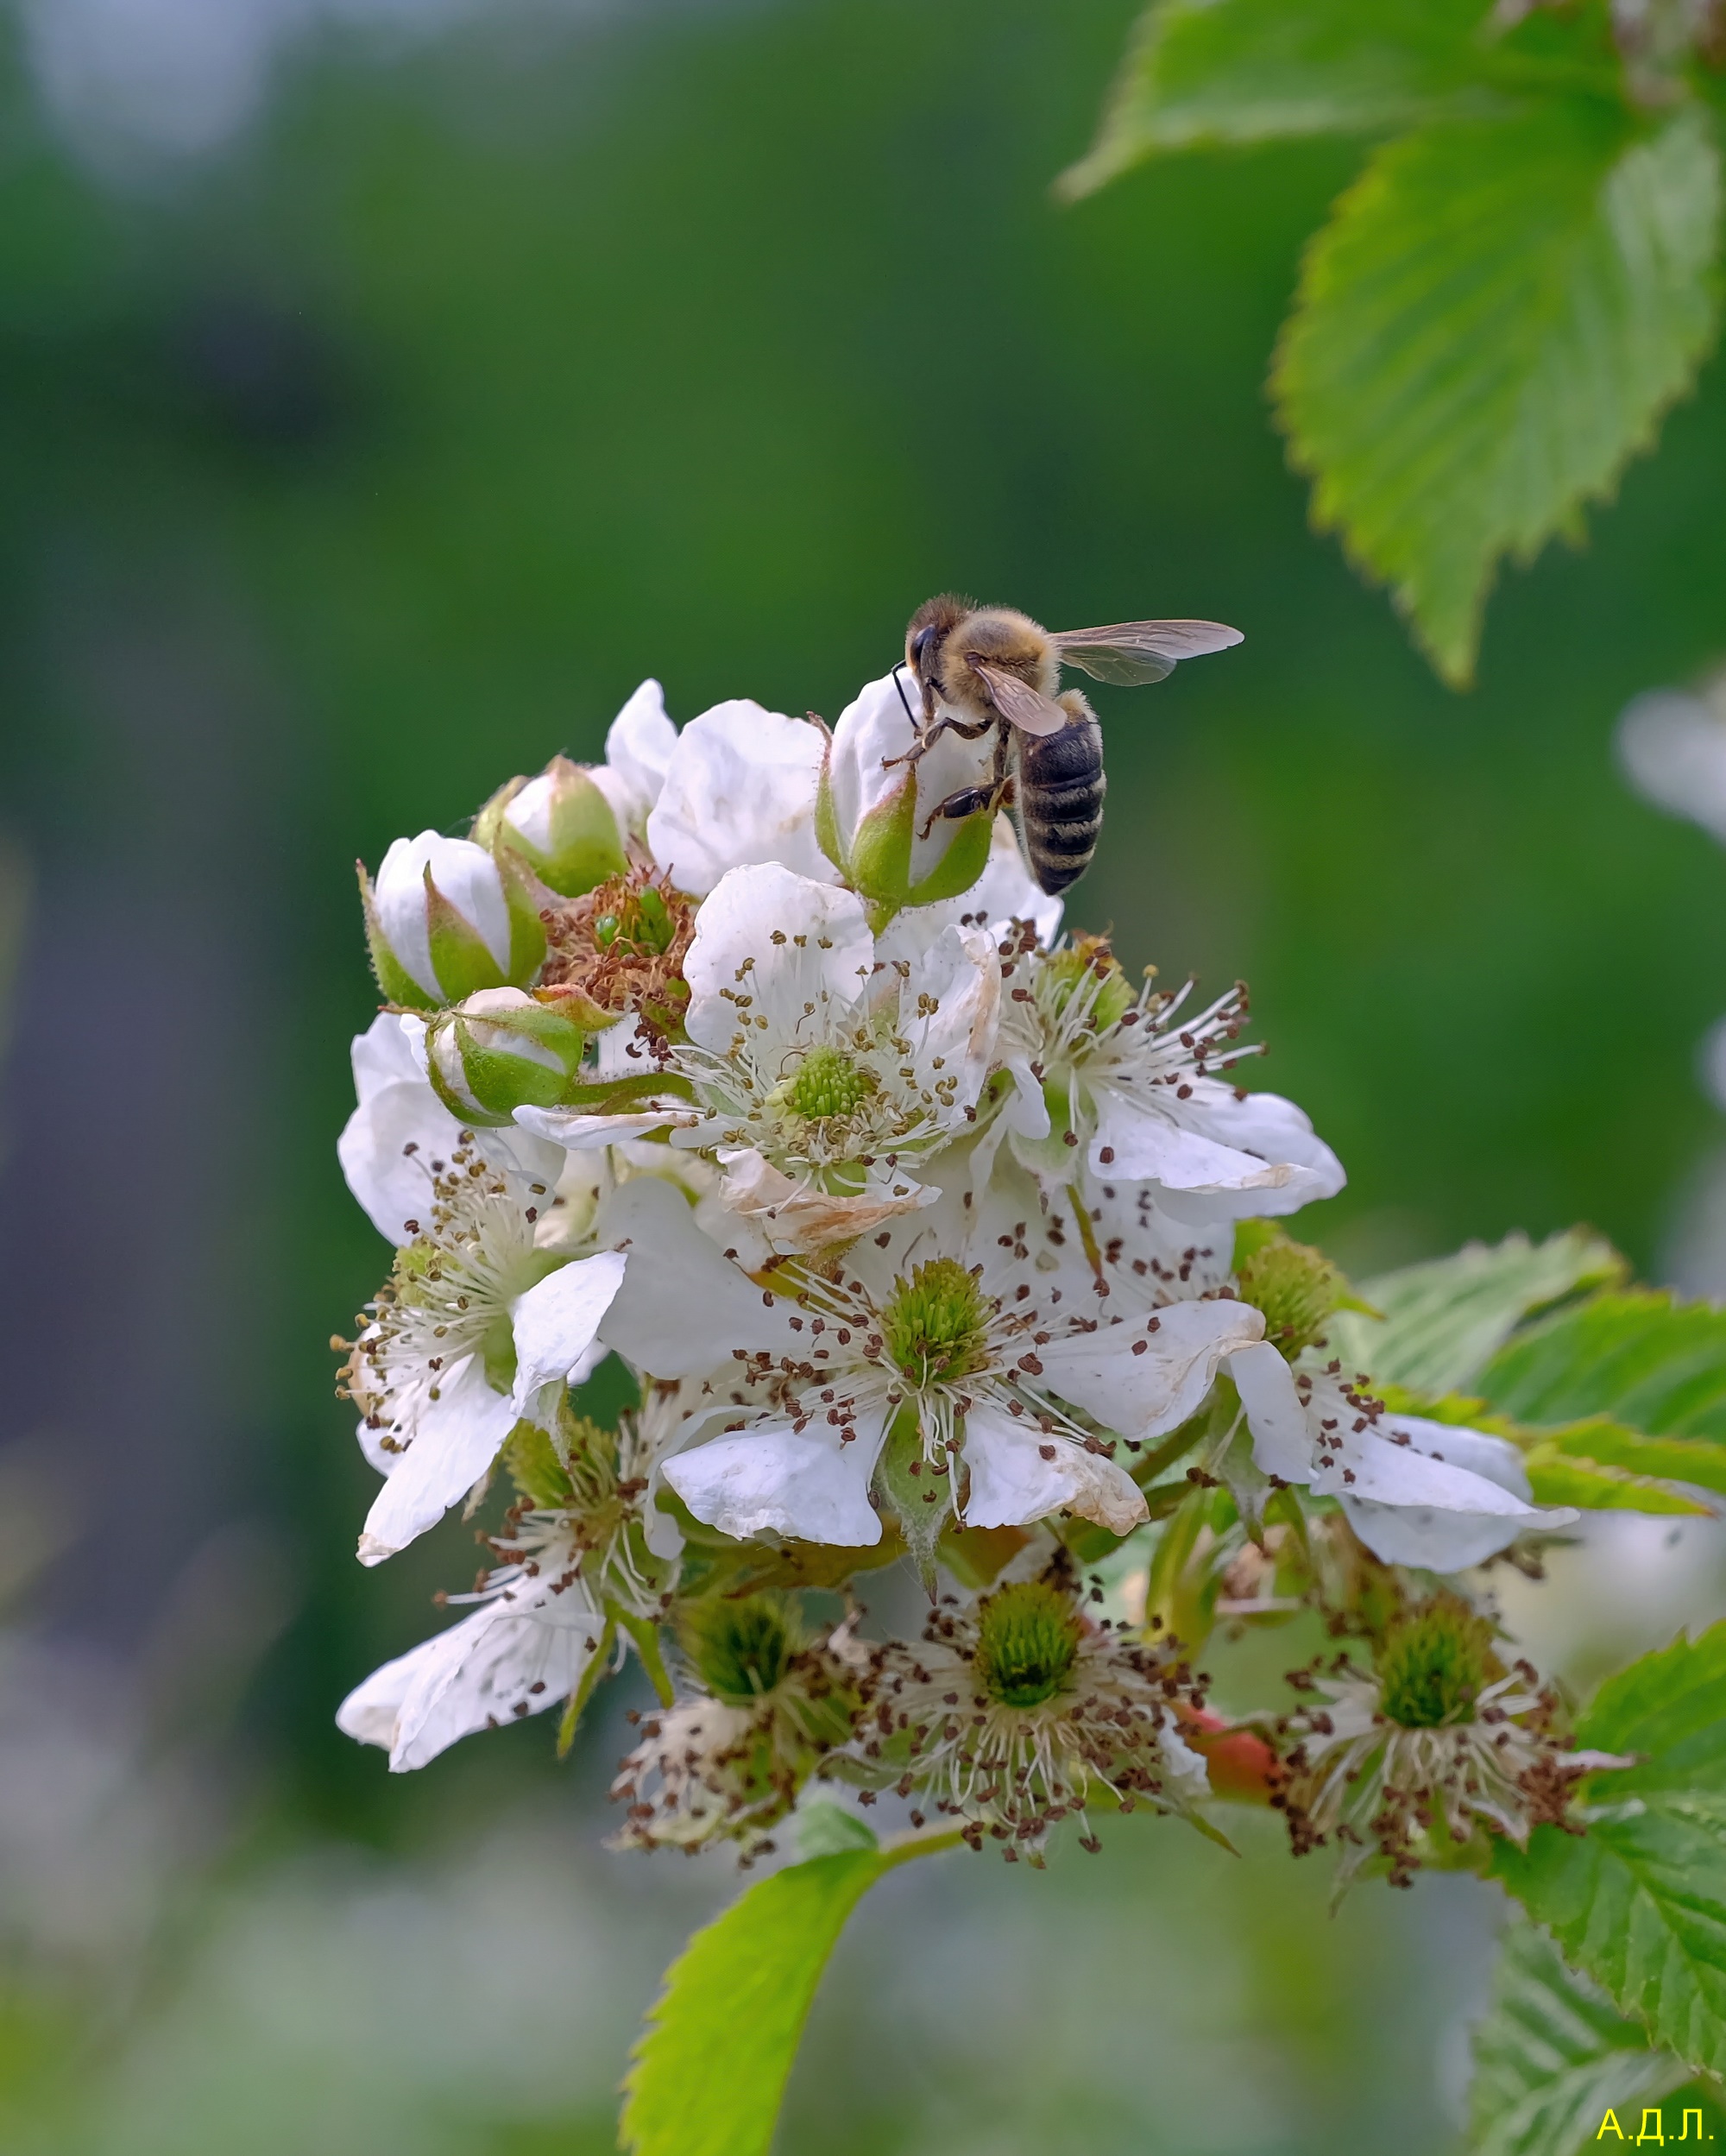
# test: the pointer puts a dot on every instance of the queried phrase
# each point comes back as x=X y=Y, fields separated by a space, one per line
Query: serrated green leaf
x=1443 y=1319
x=1639 y=1902
x=1642 y=1357
x=709 y=2070
x=1199 y=73
x=1553 y=2055
x=1602 y=1442
x=1489 y=327
x=1592 y=1488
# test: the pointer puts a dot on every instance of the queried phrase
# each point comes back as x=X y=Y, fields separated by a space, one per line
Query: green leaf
x=710 y=2069
x=1593 y=1488
x=1553 y=2055
x=1443 y=1319
x=1489 y=327
x=824 y=1829
x=1638 y=1902
x=1642 y=1357
x=1206 y=71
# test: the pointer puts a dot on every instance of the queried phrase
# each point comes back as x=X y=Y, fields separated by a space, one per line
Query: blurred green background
x=382 y=395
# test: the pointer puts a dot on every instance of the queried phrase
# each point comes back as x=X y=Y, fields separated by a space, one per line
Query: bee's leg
x=957 y=806
x=926 y=740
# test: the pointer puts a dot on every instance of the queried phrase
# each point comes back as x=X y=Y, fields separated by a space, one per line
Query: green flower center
x=1088 y=970
x=937 y=1323
x=828 y=1083
x=1296 y=1287
x=635 y=919
x=1027 y=1638
x=742 y=1649
x=1434 y=1664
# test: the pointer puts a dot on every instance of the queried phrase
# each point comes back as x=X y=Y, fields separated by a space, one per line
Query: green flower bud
x=500 y=1050
x=446 y=917
x=560 y=824
x=875 y=812
x=1296 y=1287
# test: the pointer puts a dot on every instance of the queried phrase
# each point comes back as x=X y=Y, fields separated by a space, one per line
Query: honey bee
x=984 y=667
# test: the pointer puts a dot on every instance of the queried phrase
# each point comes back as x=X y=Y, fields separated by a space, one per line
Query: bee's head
x=930 y=628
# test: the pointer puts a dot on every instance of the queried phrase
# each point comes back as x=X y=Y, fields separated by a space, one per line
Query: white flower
x=821 y=1074
x=1416 y=1491
x=740 y=786
x=1120 y=1083
x=527 y=1647
x=478 y=1327
x=978 y=1328
x=637 y=753
x=399 y=1127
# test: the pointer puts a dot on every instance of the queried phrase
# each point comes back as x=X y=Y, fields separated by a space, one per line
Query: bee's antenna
x=904 y=698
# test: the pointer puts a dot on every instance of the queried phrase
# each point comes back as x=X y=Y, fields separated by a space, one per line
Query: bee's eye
x=920 y=646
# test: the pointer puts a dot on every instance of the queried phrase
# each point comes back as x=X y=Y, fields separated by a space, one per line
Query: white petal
x=1282 y=1433
x=1496 y=1458
x=513 y=1654
x=392 y=1140
x=386 y=1053
x=684 y=1306
x=1267 y=1158
x=825 y=956
x=638 y=751
x=872 y=734
x=1142 y=1393
x=578 y=1131
x=1412 y=1509
x=950 y=1009
x=739 y=787
x=1012 y=1483
x=773 y=1478
x=458 y=1439
x=555 y=1324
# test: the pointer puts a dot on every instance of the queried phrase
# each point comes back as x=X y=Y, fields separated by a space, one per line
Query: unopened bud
x=446 y=917
x=878 y=815
x=500 y=1050
x=560 y=824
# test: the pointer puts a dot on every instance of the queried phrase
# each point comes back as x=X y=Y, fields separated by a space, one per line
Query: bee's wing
x=1017 y=701
x=1131 y=651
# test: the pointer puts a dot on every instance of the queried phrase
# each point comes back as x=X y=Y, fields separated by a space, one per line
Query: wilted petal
x=798 y=1217
x=1019 y=1475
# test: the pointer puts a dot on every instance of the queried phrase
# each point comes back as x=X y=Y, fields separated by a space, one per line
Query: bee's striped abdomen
x=1060 y=796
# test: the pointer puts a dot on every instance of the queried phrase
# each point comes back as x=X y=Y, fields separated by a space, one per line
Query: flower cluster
x=923 y=1234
